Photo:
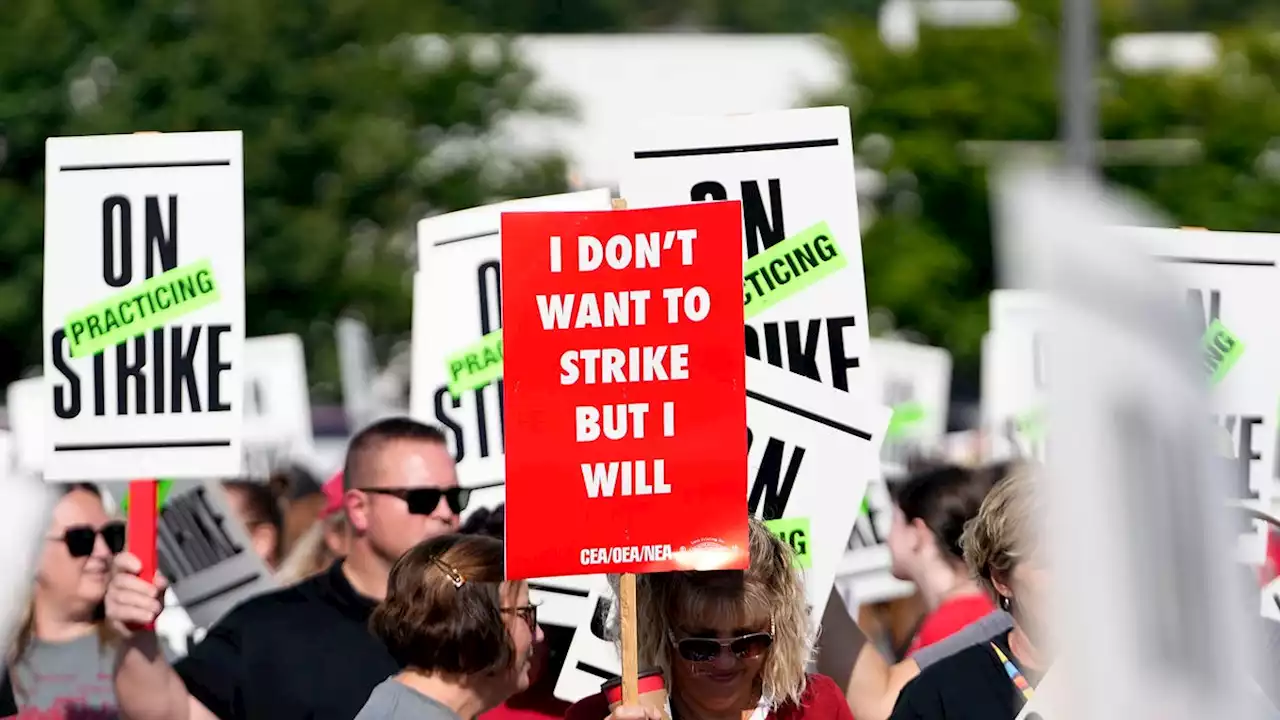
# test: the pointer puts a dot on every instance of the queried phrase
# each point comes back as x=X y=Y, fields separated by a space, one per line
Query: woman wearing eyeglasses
x=464 y=637
x=59 y=664
x=732 y=644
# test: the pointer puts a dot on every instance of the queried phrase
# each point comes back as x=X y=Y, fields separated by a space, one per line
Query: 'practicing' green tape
x=1221 y=351
x=135 y=310
x=905 y=416
x=789 y=267
x=162 y=494
x=475 y=366
x=1031 y=424
x=794 y=532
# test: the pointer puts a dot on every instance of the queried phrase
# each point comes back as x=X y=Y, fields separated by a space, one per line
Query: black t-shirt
x=970 y=685
x=301 y=653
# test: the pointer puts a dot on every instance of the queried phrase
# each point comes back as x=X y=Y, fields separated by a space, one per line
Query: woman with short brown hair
x=464 y=636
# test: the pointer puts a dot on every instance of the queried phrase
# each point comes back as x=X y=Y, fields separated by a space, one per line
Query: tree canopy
x=349 y=139
x=917 y=114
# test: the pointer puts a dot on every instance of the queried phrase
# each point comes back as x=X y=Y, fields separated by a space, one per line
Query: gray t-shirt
x=392 y=700
x=996 y=622
x=66 y=680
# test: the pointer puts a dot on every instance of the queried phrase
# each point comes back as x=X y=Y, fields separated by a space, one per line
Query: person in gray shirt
x=61 y=661
x=464 y=636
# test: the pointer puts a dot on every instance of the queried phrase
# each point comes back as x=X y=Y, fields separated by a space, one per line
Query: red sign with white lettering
x=625 y=399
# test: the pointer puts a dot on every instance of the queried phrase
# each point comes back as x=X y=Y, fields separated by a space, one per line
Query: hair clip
x=449 y=570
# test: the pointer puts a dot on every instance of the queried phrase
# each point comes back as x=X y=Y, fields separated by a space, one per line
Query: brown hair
x=944 y=498
x=443 y=611
x=261 y=507
x=1003 y=532
x=771 y=587
x=368 y=441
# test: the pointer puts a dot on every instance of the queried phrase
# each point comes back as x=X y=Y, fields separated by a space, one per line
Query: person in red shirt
x=930 y=510
x=730 y=643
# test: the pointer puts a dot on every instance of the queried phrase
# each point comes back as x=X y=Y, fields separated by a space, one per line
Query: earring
x=1006 y=603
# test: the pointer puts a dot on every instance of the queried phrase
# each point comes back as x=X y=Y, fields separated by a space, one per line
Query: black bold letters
x=111 y=240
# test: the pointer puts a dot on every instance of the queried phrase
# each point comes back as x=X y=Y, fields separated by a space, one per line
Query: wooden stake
x=630 y=645
x=627 y=610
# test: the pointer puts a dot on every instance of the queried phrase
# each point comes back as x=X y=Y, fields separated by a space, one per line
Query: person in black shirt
x=993 y=680
x=303 y=652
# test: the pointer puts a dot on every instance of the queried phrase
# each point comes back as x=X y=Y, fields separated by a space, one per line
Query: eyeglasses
x=528 y=613
x=424 y=501
x=80 y=539
x=745 y=647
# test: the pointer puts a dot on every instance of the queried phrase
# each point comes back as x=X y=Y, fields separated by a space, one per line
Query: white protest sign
x=791 y=170
x=457 y=300
x=1232 y=283
x=1133 y=500
x=811 y=453
x=277 y=409
x=27 y=405
x=1015 y=375
x=915 y=381
x=144 y=306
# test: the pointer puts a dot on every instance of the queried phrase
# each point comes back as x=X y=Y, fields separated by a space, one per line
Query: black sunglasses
x=745 y=647
x=80 y=539
x=423 y=501
x=529 y=613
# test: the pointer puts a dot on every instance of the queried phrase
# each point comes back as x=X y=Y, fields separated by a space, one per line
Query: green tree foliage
x=584 y=16
x=348 y=139
x=916 y=114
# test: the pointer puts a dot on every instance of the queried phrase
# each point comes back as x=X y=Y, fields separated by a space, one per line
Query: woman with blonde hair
x=994 y=679
x=731 y=644
x=61 y=660
x=323 y=543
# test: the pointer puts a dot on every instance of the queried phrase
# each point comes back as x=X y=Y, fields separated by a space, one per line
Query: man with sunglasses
x=303 y=652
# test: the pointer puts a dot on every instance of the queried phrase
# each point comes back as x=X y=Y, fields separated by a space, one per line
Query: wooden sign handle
x=627 y=610
x=630 y=646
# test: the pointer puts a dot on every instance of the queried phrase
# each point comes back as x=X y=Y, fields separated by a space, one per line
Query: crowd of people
x=391 y=608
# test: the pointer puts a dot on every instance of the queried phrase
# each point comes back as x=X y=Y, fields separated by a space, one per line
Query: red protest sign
x=625 y=399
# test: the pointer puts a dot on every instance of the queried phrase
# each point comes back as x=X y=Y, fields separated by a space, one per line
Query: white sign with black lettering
x=457 y=299
x=1232 y=283
x=811 y=451
x=139 y=400
x=915 y=381
x=1133 y=500
x=277 y=409
x=791 y=170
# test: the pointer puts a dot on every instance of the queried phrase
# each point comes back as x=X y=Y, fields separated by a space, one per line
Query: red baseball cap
x=333 y=492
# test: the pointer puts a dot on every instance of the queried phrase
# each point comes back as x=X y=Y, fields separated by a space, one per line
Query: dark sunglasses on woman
x=423 y=501
x=80 y=539
x=744 y=647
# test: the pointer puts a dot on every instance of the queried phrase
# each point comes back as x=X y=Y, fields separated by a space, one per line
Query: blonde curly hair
x=771 y=588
